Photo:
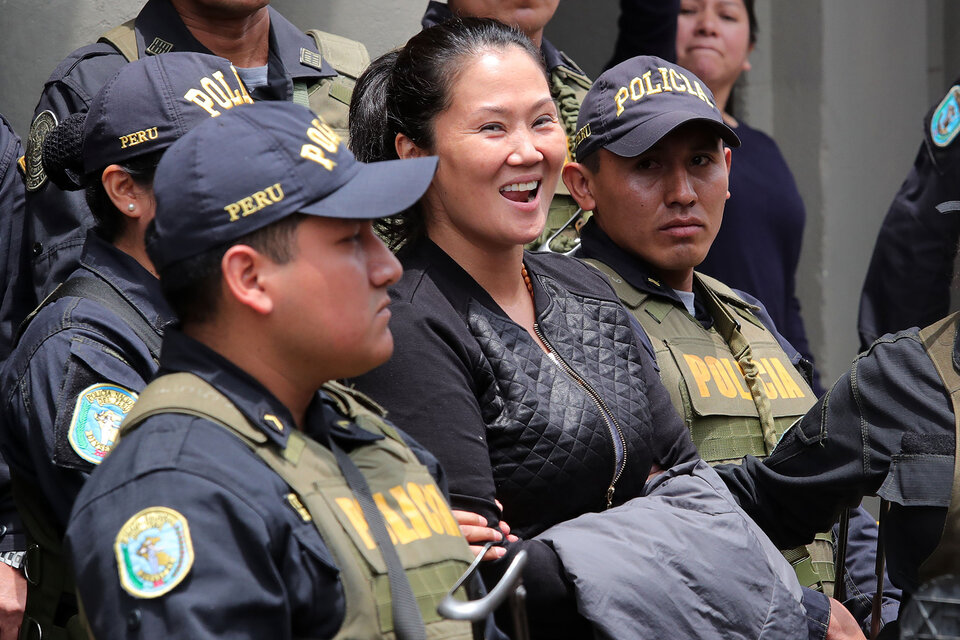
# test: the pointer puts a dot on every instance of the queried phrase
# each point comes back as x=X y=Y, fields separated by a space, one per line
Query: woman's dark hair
x=752 y=18
x=403 y=91
x=63 y=163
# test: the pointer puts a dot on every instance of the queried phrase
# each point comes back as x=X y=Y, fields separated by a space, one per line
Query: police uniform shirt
x=56 y=231
x=886 y=428
x=73 y=376
x=259 y=568
x=912 y=267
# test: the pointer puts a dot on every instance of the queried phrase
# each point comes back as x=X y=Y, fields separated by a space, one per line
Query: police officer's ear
x=131 y=199
x=247 y=278
x=407 y=148
x=579 y=179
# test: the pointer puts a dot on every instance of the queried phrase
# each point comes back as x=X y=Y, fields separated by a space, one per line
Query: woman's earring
x=131 y=207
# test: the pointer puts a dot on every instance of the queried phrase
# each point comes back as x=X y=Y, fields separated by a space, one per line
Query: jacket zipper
x=616 y=434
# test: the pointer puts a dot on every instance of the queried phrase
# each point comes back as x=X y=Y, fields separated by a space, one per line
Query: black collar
x=182 y=353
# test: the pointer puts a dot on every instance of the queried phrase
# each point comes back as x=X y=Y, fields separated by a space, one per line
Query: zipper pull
x=610 y=491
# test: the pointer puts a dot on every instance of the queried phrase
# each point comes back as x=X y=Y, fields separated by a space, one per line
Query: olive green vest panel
x=568 y=88
x=424 y=532
x=733 y=384
x=939 y=340
x=329 y=98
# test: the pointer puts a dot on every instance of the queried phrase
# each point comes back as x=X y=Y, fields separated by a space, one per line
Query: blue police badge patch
x=154 y=552
x=96 y=420
x=945 y=122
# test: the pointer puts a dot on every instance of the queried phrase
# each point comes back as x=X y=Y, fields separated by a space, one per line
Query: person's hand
x=474 y=528
x=13 y=597
x=842 y=624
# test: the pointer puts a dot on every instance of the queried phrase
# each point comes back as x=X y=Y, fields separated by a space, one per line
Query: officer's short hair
x=192 y=286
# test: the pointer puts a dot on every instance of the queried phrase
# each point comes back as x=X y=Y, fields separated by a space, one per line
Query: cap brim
x=641 y=138
x=378 y=190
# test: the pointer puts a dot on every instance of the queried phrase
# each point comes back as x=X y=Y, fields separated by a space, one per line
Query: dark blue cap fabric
x=634 y=104
x=254 y=166
x=153 y=101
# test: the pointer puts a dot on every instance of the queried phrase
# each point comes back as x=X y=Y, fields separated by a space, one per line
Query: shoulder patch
x=154 y=552
x=34 y=175
x=945 y=122
x=95 y=425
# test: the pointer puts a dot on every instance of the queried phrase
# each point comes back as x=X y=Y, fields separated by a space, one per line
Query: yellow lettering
x=233 y=210
x=243 y=88
x=262 y=200
x=666 y=81
x=275 y=192
x=793 y=390
x=690 y=88
x=411 y=512
x=216 y=93
x=720 y=378
x=235 y=97
x=394 y=522
x=323 y=135
x=433 y=518
x=141 y=136
x=701 y=94
x=636 y=89
x=674 y=77
x=313 y=152
x=700 y=373
x=775 y=378
x=439 y=505
x=202 y=100
x=246 y=204
x=650 y=88
x=354 y=514
x=770 y=390
x=736 y=376
x=620 y=98
x=123 y=141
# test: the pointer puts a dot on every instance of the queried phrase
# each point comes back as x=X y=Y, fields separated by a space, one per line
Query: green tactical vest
x=328 y=98
x=568 y=87
x=733 y=384
x=939 y=340
x=425 y=533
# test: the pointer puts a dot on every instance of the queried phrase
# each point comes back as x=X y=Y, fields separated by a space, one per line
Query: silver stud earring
x=131 y=207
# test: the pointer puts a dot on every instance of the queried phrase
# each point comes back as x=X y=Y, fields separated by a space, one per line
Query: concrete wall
x=843 y=100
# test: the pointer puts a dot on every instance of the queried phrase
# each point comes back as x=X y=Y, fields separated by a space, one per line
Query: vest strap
x=123 y=38
x=940 y=342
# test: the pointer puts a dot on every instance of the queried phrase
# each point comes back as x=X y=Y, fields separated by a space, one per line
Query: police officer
x=275 y=59
x=652 y=166
x=243 y=499
x=90 y=349
x=12 y=583
x=908 y=280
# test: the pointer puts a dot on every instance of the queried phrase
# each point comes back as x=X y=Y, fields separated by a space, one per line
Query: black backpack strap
x=99 y=291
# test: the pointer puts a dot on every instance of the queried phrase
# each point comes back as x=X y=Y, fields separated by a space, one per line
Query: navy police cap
x=153 y=101
x=631 y=106
x=240 y=172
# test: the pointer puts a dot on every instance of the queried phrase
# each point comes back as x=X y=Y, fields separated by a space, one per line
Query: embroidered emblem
x=273 y=421
x=34 y=176
x=311 y=59
x=945 y=122
x=96 y=420
x=154 y=552
x=294 y=501
x=159 y=46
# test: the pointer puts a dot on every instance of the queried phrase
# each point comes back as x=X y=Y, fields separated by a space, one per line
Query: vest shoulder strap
x=124 y=39
x=189 y=394
x=631 y=297
x=725 y=292
x=102 y=293
x=361 y=408
x=348 y=57
x=574 y=72
x=940 y=341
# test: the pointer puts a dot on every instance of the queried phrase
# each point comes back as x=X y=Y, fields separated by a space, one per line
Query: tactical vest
x=939 y=341
x=733 y=384
x=428 y=540
x=568 y=86
x=329 y=98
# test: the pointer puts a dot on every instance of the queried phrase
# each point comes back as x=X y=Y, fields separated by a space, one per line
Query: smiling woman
x=522 y=372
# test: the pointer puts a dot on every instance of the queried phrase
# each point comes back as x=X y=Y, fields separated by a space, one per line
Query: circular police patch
x=96 y=420
x=34 y=175
x=945 y=122
x=154 y=552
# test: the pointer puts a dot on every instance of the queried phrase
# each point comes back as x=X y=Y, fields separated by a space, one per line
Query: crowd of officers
x=190 y=262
